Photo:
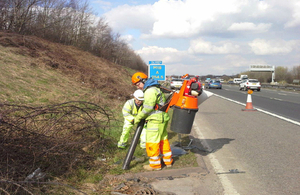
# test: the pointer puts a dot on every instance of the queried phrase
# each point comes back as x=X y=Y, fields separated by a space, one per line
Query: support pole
x=133 y=144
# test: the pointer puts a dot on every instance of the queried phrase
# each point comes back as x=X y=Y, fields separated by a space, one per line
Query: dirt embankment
x=63 y=134
x=87 y=69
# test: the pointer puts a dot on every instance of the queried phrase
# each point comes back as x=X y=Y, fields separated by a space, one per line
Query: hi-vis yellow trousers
x=157 y=144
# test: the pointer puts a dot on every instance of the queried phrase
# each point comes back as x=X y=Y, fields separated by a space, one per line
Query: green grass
x=187 y=160
x=28 y=81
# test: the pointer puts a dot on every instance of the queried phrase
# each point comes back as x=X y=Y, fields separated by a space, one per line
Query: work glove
x=132 y=121
x=136 y=121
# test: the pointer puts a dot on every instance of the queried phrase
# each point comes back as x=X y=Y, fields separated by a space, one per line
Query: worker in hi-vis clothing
x=157 y=142
x=130 y=109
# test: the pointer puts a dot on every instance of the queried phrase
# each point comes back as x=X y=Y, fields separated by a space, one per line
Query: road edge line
x=227 y=185
x=261 y=110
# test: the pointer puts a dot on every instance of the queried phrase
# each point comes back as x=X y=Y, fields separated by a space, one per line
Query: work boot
x=169 y=166
x=148 y=168
x=122 y=145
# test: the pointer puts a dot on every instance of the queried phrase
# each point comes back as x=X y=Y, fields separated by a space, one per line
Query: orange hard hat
x=137 y=77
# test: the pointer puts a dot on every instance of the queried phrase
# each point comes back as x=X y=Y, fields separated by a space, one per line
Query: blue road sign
x=157 y=71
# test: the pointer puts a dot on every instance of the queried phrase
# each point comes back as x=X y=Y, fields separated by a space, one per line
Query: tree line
x=69 y=22
x=283 y=75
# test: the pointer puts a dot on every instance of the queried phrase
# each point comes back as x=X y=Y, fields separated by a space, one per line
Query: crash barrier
x=287 y=87
x=275 y=86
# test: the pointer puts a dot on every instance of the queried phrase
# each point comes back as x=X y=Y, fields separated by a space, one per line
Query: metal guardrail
x=287 y=87
x=267 y=85
x=263 y=85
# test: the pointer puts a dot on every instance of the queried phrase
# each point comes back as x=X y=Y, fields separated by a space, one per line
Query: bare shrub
x=69 y=23
x=56 y=138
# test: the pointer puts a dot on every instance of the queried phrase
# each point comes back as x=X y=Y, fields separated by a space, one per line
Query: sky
x=202 y=37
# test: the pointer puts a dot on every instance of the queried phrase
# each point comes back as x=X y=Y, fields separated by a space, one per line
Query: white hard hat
x=139 y=94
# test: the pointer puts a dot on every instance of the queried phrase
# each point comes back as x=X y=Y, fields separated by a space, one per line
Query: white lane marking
x=226 y=183
x=281 y=117
x=261 y=110
x=276 y=99
x=293 y=93
x=282 y=94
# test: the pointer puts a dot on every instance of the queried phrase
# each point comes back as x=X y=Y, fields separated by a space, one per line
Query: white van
x=237 y=80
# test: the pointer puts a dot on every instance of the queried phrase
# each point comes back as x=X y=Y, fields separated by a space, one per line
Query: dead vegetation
x=84 y=68
x=55 y=139
x=68 y=23
x=53 y=146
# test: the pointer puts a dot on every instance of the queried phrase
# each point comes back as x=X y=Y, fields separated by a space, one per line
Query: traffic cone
x=249 y=106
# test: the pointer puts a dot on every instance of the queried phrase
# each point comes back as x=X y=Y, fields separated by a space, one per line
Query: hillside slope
x=60 y=109
x=60 y=113
x=37 y=71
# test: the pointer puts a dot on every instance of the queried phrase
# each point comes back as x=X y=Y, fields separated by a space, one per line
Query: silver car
x=176 y=83
x=252 y=84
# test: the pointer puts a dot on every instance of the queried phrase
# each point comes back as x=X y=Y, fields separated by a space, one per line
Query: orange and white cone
x=249 y=106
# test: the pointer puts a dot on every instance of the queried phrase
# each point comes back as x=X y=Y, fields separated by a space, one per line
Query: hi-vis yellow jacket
x=153 y=95
x=130 y=110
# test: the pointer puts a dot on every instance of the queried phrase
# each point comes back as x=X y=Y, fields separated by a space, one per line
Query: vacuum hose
x=133 y=144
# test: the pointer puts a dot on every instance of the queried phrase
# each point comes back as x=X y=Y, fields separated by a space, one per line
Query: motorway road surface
x=279 y=102
x=262 y=148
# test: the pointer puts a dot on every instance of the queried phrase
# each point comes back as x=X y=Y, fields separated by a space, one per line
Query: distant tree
x=296 y=72
x=225 y=77
x=263 y=77
x=281 y=74
x=289 y=78
x=68 y=22
x=210 y=76
x=73 y=4
x=16 y=14
x=3 y=14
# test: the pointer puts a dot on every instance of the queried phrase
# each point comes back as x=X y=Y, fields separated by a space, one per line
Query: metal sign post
x=263 y=68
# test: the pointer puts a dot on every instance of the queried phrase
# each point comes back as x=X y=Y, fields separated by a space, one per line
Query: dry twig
x=51 y=137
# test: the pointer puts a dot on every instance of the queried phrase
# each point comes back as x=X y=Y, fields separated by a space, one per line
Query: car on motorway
x=207 y=80
x=176 y=83
x=252 y=84
x=230 y=82
x=214 y=84
x=237 y=80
